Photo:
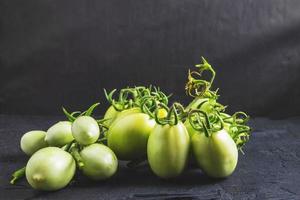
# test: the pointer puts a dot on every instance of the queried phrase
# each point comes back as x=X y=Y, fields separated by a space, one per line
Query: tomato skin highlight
x=59 y=134
x=128 y=135
x=32 y=141
x=50 y=169
x=167 y=150
x=216 y=155
x=85 y=130
x=100 y=162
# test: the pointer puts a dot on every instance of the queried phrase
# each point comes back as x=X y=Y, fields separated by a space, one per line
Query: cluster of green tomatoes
x=139 y=126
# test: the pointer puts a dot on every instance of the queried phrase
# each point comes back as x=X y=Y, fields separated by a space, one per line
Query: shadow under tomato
x=143 y=176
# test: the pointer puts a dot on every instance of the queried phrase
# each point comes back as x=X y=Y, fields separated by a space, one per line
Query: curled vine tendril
x=202 y=122
x=172 y=116
x=196 y=85
x=239 y=130
x=134 y=97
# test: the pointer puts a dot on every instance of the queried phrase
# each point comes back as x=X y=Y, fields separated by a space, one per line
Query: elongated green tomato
x=110 y=115
x=206 y=104
x=50 y=169
x=59 y=134
x=190 y=130
x=167 y=149
x=128 y=135
x=100 y=162
x=217 y=155
x=85 y=130
x=33 y=141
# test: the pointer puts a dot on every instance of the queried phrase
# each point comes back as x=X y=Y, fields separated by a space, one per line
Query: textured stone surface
x=270 y=169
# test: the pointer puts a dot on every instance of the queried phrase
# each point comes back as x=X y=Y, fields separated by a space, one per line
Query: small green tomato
x=85 y=130
x=100 y=162
x=50 y=169
x=33 y=141
x=59 y=134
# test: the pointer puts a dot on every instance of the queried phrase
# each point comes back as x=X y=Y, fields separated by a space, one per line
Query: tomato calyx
x=74 y=115
x=134 y=97
x=171 y=115
x=204 y=123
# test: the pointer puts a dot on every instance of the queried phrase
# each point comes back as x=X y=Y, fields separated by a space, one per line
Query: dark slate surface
x=269 y=170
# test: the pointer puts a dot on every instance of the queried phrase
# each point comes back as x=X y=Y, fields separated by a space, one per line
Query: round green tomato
x=112 y=114
x=59 y=134
x=217 y=155
x=128 y=135
x=100 y=162
x=126 y=112
x=85 y=130
x=50 y=169
x=33 y=141
x=168 y=148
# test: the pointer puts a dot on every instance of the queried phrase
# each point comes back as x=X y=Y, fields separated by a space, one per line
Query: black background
x=55 y=53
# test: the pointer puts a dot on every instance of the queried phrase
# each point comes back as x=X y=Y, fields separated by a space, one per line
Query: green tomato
x=190 y=130
x=110 y=115
x=50 y=169
x=85 y=130
x=100 y=162
x=127 y=112
x=167 y=150
x=33 y=141
x=217 y=155
x=59 y=134
x=206 y=107
x=128 y=135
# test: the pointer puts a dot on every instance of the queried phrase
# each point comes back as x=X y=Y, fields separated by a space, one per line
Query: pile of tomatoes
x=139 y=125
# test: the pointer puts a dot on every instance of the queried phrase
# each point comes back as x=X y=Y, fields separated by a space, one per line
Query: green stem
x=70 y=117
x=77 y=157
x=17 y=175
x=200 y=124
x=90 y=110
x=67 y=146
